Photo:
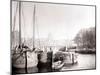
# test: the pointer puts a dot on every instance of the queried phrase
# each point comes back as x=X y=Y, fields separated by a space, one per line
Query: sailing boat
x=23 y=56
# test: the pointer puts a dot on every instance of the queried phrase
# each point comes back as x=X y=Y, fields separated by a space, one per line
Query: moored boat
x=57 y=65
x=63 y=59
x=19 y=59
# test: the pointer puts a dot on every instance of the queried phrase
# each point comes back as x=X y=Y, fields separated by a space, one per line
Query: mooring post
x=72 y=58
x=26 y=62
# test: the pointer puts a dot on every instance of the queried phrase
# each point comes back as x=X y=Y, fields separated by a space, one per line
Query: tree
x=86 y=38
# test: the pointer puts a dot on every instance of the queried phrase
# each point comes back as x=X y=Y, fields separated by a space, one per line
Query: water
x=85 y=61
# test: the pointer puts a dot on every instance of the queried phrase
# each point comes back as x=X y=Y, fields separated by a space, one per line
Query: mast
x=34 y=11
x=20 y=23
x=13 y=29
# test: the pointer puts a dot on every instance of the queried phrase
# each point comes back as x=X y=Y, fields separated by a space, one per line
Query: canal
x=85 y=61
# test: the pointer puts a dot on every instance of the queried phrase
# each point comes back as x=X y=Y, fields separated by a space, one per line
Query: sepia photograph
x=52 y=37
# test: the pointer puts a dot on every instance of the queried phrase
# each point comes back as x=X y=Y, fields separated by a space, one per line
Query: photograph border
x=58 y=4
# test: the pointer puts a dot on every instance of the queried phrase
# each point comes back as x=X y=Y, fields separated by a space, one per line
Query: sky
x=55 y=21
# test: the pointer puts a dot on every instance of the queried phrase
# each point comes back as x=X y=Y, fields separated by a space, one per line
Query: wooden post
x=26 y=62
x=72 y=58
x=51 y=57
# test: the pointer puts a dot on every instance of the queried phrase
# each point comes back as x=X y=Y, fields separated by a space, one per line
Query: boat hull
x=32 y=60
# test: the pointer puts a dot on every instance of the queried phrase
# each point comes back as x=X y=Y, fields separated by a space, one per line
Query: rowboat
x=64 y=59
x=57 y=65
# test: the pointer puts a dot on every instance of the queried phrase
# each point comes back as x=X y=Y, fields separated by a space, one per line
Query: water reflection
x=22 y=70
x=39 y=69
